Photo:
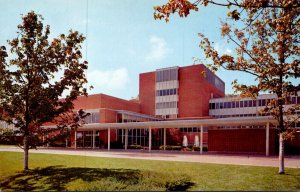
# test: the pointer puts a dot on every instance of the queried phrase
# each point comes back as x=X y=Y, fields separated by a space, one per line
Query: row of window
x=164 y=105
x=248 y=103
x=167 y=75
x=166 y=92
x=192 y=129
x=297 y=125
x=246 y=115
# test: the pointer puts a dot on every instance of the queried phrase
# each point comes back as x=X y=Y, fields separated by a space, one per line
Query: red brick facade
x=147 y=93
x=105 y=101
x=241 y=140
x=194 y=92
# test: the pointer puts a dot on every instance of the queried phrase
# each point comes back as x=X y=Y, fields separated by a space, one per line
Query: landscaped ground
x=62 y=172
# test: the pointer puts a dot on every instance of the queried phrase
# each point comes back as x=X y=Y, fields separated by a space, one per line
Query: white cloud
x=222 y=49
x=158 y=49
x=108 y=80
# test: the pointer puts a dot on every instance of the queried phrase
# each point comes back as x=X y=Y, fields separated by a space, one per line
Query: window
x=298 y=100
x=171 y=92
x=237 y=104
x=217 y=106
x=228 y=104
x=259 y=102
x=241 y=104
x=294 y=101
x=233 y=104
x=254 y=103
x=221 y=106
x=250 y=103
x=166 y=92
x=263 y=102
x=245 y=103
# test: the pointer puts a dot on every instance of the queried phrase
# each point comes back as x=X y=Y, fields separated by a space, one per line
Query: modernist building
x=179 y=102
x=182 y=95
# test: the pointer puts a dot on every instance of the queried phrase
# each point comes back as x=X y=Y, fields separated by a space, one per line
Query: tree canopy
x=30 y=89
x=266 y=36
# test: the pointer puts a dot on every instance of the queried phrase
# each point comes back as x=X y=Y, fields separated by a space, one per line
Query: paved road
x=253 y=160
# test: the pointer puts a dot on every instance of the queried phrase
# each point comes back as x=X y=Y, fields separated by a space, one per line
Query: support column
x=201 y=139
x=66 y=142
x=108 y=139
x=47 y=140
x=83 y=135
x=150 y=139
x=165 y=138
x=268 y=139
x=75 y=139
x=122 y=133
x=126 y=138
x=94 y=139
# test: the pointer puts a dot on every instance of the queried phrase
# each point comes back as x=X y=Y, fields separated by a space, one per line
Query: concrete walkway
x=253 y=160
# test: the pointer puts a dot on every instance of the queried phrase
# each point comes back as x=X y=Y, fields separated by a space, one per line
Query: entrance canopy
x=261 y=120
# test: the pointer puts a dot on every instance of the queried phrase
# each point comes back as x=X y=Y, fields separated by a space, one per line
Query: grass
x=63 y=172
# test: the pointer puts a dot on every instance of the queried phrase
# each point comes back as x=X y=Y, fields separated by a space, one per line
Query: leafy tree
x=266 y=36
x=30 y=91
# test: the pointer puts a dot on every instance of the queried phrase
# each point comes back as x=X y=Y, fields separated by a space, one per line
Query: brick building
x=179 y=94
x=175 y=103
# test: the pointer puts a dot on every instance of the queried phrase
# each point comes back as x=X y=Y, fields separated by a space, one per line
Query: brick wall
x=241 y=140
x=147 y=93
x=292 y=145
x=105 y=101
x=194 y=92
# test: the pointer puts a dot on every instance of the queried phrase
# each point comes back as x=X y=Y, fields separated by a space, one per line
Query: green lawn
x=62 y=172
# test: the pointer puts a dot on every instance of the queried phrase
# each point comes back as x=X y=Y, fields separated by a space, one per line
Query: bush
x=171 y=147
x=135 y=147
x=204 y=148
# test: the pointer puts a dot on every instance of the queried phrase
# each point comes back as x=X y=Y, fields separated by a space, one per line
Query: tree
x=267 y=46
x=30 y=94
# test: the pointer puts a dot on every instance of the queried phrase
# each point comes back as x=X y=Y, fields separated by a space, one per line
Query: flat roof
x=183 y=123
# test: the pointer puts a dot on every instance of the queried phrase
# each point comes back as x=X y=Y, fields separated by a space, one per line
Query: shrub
x=135 y=147
x=204 y=148
x=171 y=147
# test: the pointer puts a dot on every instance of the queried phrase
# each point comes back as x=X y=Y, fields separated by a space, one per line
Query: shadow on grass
x=58 y=177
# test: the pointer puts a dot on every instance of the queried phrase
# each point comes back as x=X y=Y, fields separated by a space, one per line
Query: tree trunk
x=281 y=153
x=26 y=149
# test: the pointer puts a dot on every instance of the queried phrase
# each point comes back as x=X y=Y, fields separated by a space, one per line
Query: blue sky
x=123 y=39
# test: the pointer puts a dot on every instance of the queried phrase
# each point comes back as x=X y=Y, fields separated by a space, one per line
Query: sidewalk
x=240 y=159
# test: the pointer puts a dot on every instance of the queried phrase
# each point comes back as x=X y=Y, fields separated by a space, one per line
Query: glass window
x=171 y=92
x=213 y=105
x=294 y=100
x=263 y=102
x=233 y=104
x=228 y=104
x=254 y=103
x=237 y=104
x=221 y=106
x=245 y=103
x=250 y=103
x=298 y=100
x=241 y=104
x=217 y=106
